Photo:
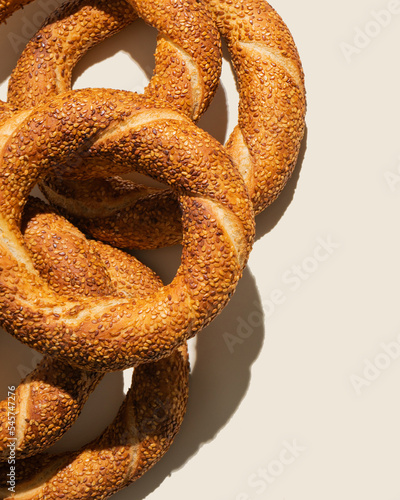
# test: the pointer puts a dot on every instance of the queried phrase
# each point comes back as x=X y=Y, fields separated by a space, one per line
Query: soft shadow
x=100 y=409
x=215 y=120
x=12 y=41
x=16 y=361
x=140 y=35
x=218 y=383
x=270 y=217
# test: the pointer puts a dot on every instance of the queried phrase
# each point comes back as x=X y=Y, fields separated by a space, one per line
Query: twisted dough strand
x=140 y=435
x=187 y=58
x=47 y=403
x=266 y=141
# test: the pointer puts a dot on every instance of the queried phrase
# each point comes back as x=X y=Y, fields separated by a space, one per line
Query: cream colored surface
x=286 y=391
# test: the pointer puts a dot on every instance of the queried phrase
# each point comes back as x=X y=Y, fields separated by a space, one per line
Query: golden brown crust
x=123 y=130
x=62 y=255
x=187 y=58
x=51 y=74
x=264 y=145
x=186 y=75
x=272 y=95
x=48 y=401
x=107 y=131
x=140 y=435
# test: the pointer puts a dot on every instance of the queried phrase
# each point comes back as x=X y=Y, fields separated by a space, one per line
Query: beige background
x=304 y=406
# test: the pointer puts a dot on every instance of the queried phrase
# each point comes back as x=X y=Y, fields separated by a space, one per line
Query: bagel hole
x=163 y=261
x=104 y=403
x=222 y=116
x=132 y=49
x=36 y=193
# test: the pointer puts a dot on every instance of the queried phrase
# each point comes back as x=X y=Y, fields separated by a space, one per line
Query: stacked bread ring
x=89 y=307
x=264 y=146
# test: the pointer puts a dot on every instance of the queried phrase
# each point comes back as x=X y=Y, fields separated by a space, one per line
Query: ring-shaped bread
x=186 y=76
x=264 y=145
x=48 y=401
x=187 y=58
x=116 y=132
x=139 y=437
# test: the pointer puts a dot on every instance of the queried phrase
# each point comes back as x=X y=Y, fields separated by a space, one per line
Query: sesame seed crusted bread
x=88 y=306
x=49 y=399
x=139 y=436
x=115 y=132
x=264 y=145
x=186 y=76
x=47 y=403
x=68 y=279
x=187 y=58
